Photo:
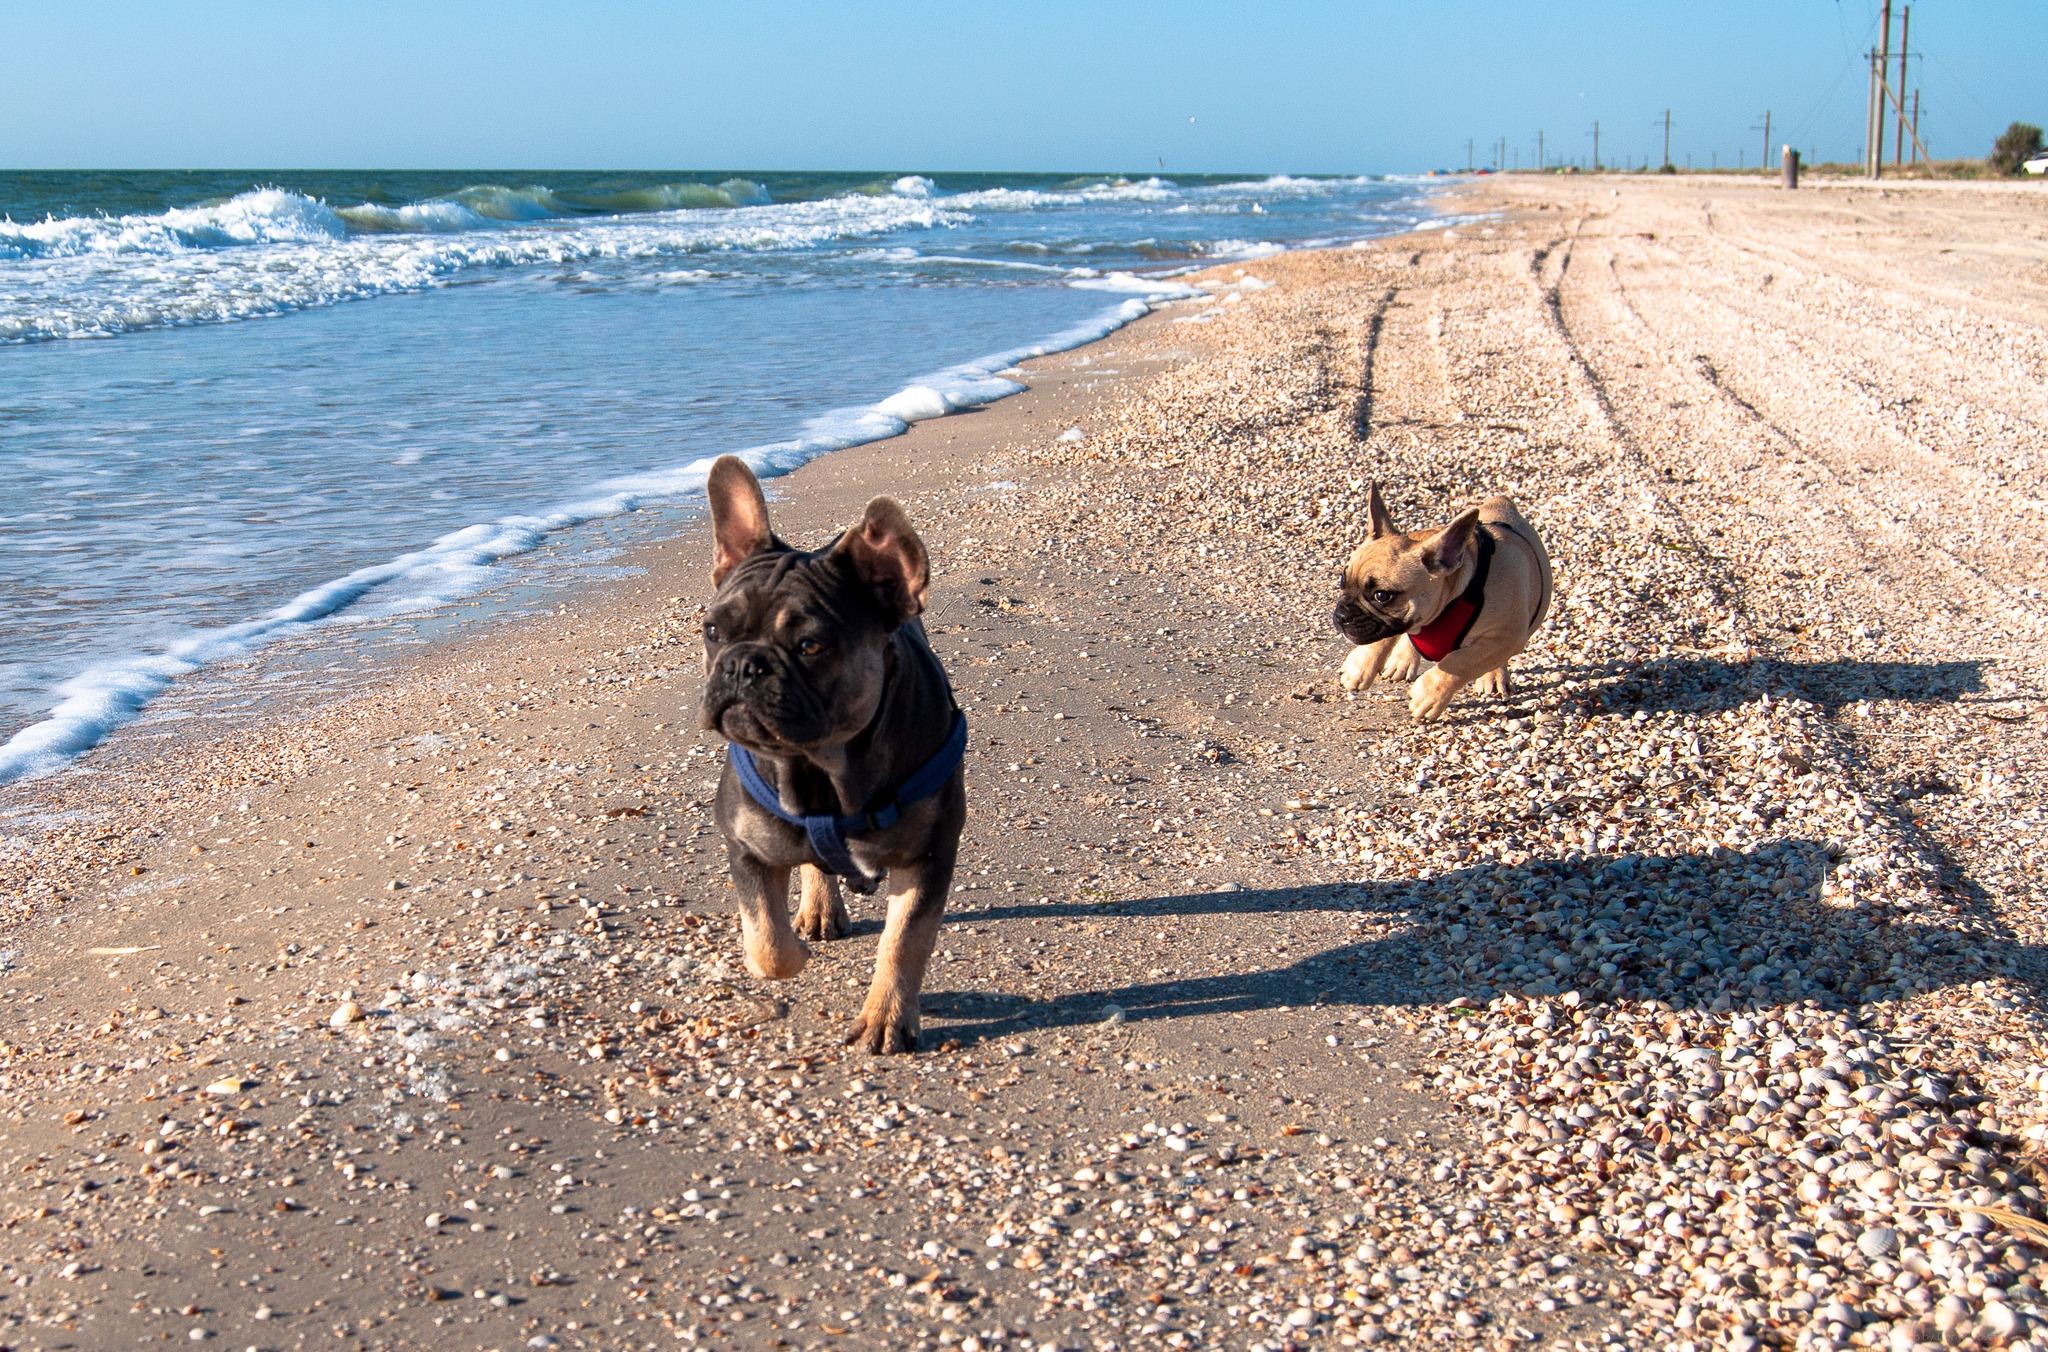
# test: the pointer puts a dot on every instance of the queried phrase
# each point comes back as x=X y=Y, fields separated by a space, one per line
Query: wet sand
x=1262 y=1015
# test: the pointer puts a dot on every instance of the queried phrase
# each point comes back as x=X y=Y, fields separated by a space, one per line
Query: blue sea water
x=238 y=407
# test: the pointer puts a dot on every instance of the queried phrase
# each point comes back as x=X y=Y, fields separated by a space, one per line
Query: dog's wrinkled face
x=1398 y=581
x=794 y=651
x=796 y=644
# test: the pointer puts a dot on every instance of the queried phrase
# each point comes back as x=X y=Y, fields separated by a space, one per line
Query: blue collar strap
x=828 y=833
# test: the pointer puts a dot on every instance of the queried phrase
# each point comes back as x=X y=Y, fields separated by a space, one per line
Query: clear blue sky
x=1291 y=85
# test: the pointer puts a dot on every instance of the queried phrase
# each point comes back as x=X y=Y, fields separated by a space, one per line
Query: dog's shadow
x=1715 y=685
x=1816 y=952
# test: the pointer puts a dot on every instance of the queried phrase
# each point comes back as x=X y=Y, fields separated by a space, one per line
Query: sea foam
x=271 y=252
x=110 y=694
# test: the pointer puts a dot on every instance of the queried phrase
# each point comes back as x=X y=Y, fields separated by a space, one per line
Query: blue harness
x=828 y=832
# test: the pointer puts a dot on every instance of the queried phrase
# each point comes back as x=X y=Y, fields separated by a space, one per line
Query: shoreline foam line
x=108 y=695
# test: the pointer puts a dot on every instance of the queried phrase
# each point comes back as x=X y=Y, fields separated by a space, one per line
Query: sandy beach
x=1691 y=994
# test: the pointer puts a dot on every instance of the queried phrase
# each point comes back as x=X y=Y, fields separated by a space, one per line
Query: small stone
x=435 y=1220
x=346 y=1013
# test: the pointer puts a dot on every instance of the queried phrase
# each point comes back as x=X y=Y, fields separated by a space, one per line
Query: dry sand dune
x=1691 y=994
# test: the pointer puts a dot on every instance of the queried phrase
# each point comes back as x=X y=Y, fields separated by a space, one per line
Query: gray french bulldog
x=819 y=675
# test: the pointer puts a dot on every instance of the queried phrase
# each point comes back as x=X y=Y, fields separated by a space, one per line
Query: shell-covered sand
x=1690 y=994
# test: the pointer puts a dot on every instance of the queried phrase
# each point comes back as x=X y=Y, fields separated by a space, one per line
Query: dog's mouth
x=734 y=721
x=772 y=729
x=1360 y=625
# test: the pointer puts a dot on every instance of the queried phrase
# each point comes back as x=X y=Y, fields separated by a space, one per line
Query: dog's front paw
x=888 y=1023
x=1404 y=662
x=1494 y=682
x=821 y=911
x=1430 y=696
x=1358 y=670
x=775 y=957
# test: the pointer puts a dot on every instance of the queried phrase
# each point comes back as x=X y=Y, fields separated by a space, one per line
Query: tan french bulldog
x=1465 y=597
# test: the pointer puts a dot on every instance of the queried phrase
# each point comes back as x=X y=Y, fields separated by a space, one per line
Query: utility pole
x=1880 y=88
x=1916 y=129
x=1539 y=150
x=1468 y=155
x=1899 y=145
x=1766 y=158
x=1667 y=138
x=1596 y=143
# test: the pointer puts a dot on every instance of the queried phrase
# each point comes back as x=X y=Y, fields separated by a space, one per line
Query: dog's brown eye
x=1383 y=597
x=711 y=633
x=810 y=647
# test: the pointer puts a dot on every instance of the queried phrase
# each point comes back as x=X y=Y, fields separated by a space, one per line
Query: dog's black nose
x=744 y=667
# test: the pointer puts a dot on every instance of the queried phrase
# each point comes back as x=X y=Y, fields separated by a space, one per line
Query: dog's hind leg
x=821 y=910
x=1432 y=694
x=888 y=1019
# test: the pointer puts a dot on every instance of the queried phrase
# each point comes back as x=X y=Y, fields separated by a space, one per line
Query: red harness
x=1441 y=636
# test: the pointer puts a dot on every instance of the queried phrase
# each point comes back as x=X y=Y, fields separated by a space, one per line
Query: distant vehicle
x=2038 y=164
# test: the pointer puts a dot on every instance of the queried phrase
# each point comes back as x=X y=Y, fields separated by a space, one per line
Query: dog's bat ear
x=739 y=515
x=890 y=559
x=1448 y=547
x=1376 y=512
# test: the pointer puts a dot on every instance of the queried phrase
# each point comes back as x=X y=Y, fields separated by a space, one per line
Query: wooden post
x=1790 y=163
